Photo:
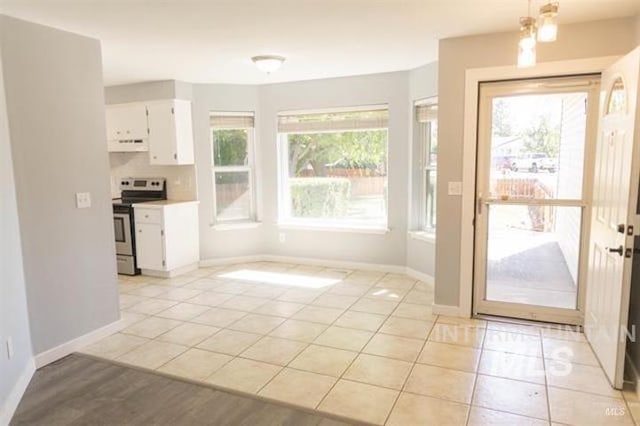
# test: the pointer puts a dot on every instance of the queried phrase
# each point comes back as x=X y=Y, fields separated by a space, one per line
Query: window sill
x=233 y=226
x=426 y=236
x=334 y=228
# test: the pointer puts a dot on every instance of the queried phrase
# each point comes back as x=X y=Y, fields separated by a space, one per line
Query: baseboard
x=230 y=260
x=420 y=275
x=13 y=399
x=54 y=354
x=448 y=310
x=172 y=273
x=338 y=264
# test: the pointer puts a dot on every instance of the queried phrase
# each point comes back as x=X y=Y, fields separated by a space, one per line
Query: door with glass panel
x=533 y=192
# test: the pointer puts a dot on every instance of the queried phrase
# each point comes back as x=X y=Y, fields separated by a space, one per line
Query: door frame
x=473 y=78
x=528 y=87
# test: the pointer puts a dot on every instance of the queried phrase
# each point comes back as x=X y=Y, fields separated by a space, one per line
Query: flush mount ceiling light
x=548 y=23
x=268 y=63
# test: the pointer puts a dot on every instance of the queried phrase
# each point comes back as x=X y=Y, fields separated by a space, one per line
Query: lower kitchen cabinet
x=166 y=236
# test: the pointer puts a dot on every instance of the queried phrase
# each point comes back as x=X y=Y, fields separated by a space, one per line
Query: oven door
x=122 y=228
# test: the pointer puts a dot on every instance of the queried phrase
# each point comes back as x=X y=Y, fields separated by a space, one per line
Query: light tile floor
x=359 y=344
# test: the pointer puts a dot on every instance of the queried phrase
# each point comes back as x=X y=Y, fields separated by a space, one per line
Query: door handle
x=619 y=250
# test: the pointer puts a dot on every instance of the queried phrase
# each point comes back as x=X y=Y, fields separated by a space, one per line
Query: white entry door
x=614 y=219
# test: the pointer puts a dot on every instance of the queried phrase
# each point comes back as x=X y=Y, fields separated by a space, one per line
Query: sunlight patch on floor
x=279 y=278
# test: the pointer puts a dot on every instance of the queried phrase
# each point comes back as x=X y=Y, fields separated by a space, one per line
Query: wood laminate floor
x=80 y=390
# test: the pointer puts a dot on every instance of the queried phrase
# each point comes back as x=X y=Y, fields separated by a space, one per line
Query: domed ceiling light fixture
x=268 y=63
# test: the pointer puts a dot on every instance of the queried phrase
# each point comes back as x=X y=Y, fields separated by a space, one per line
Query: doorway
x=533 y=191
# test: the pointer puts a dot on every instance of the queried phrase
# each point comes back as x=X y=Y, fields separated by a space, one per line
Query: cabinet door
x=149 y=246
x=162 y=133
x=127 y=121
x=184 y=132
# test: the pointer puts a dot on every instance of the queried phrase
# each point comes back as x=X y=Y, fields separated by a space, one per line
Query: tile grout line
x=475 y=380
x=413 y=366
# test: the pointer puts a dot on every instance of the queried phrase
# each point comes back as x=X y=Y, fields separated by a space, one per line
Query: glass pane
x=433 y=143
x=537 y=146
x=617 y=98
x=233 y=196
x=430 y=205
x=230 y=147
x=339 y=176
x=532 y=254
x=118 y=227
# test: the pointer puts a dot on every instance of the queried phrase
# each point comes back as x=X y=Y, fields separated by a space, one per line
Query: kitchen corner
x=153 y=181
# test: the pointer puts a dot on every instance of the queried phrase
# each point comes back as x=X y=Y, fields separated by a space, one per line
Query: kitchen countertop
x=162 y=203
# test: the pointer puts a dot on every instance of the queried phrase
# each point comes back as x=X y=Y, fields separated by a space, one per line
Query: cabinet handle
x=175 y=156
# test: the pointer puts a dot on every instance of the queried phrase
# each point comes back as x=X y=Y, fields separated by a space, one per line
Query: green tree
x=500 y=119
x=351 y=149
x=542 y=137
x=230 y=147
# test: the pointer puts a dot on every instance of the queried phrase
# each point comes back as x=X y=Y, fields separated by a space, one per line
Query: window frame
x=285 y=220
x=426 y=221
x=248 y=168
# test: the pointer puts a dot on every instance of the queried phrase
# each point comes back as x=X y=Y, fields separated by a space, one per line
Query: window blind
x=220 y=121
x=425 y=113
x=333 y=121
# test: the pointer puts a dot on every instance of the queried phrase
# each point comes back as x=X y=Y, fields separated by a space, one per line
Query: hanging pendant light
x=527 y=43
x=548 y=23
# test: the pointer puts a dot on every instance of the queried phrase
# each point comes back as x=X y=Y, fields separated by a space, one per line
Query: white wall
x=55 y=104
x=14 y=317
x=570 y=177
x=456 y=55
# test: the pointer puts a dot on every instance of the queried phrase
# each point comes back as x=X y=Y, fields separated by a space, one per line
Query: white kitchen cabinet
x=166 y=236
x=170 y=132
x=127 y=127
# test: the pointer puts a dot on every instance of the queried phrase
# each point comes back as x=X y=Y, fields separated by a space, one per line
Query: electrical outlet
x=455 y=188
x=83 y=200
x=282 y=237
x=9 y=348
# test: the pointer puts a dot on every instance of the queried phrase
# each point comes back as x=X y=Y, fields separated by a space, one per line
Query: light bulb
x=526 y=56
x=548 y=23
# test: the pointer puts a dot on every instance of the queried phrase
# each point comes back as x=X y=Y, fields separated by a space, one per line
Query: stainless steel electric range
x=133 y=191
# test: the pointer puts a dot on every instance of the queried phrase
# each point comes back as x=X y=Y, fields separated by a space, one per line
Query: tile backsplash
x=181 y=180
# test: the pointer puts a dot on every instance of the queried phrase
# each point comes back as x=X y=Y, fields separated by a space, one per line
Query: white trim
x=473 y=77
x=54 y=354
x=172 y=273
x=336 y=109
x=222 y=261
x=8 y=409
x=413 y=273
x=429 y=237
x=334 y=228
x=339 y=264
x=449 y=311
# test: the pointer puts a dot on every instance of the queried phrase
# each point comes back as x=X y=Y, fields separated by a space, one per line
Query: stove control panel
x=142 y=184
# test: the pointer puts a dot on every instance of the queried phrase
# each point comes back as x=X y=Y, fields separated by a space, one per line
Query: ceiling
x=210 y=41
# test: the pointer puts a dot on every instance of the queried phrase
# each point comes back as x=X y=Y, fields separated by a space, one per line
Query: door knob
x=619 y=250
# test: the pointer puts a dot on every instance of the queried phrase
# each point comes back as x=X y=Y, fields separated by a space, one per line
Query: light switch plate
x=455 y=188
x=83 y=200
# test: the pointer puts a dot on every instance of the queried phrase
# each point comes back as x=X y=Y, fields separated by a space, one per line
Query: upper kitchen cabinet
x=127 y=129
x=170 y=132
